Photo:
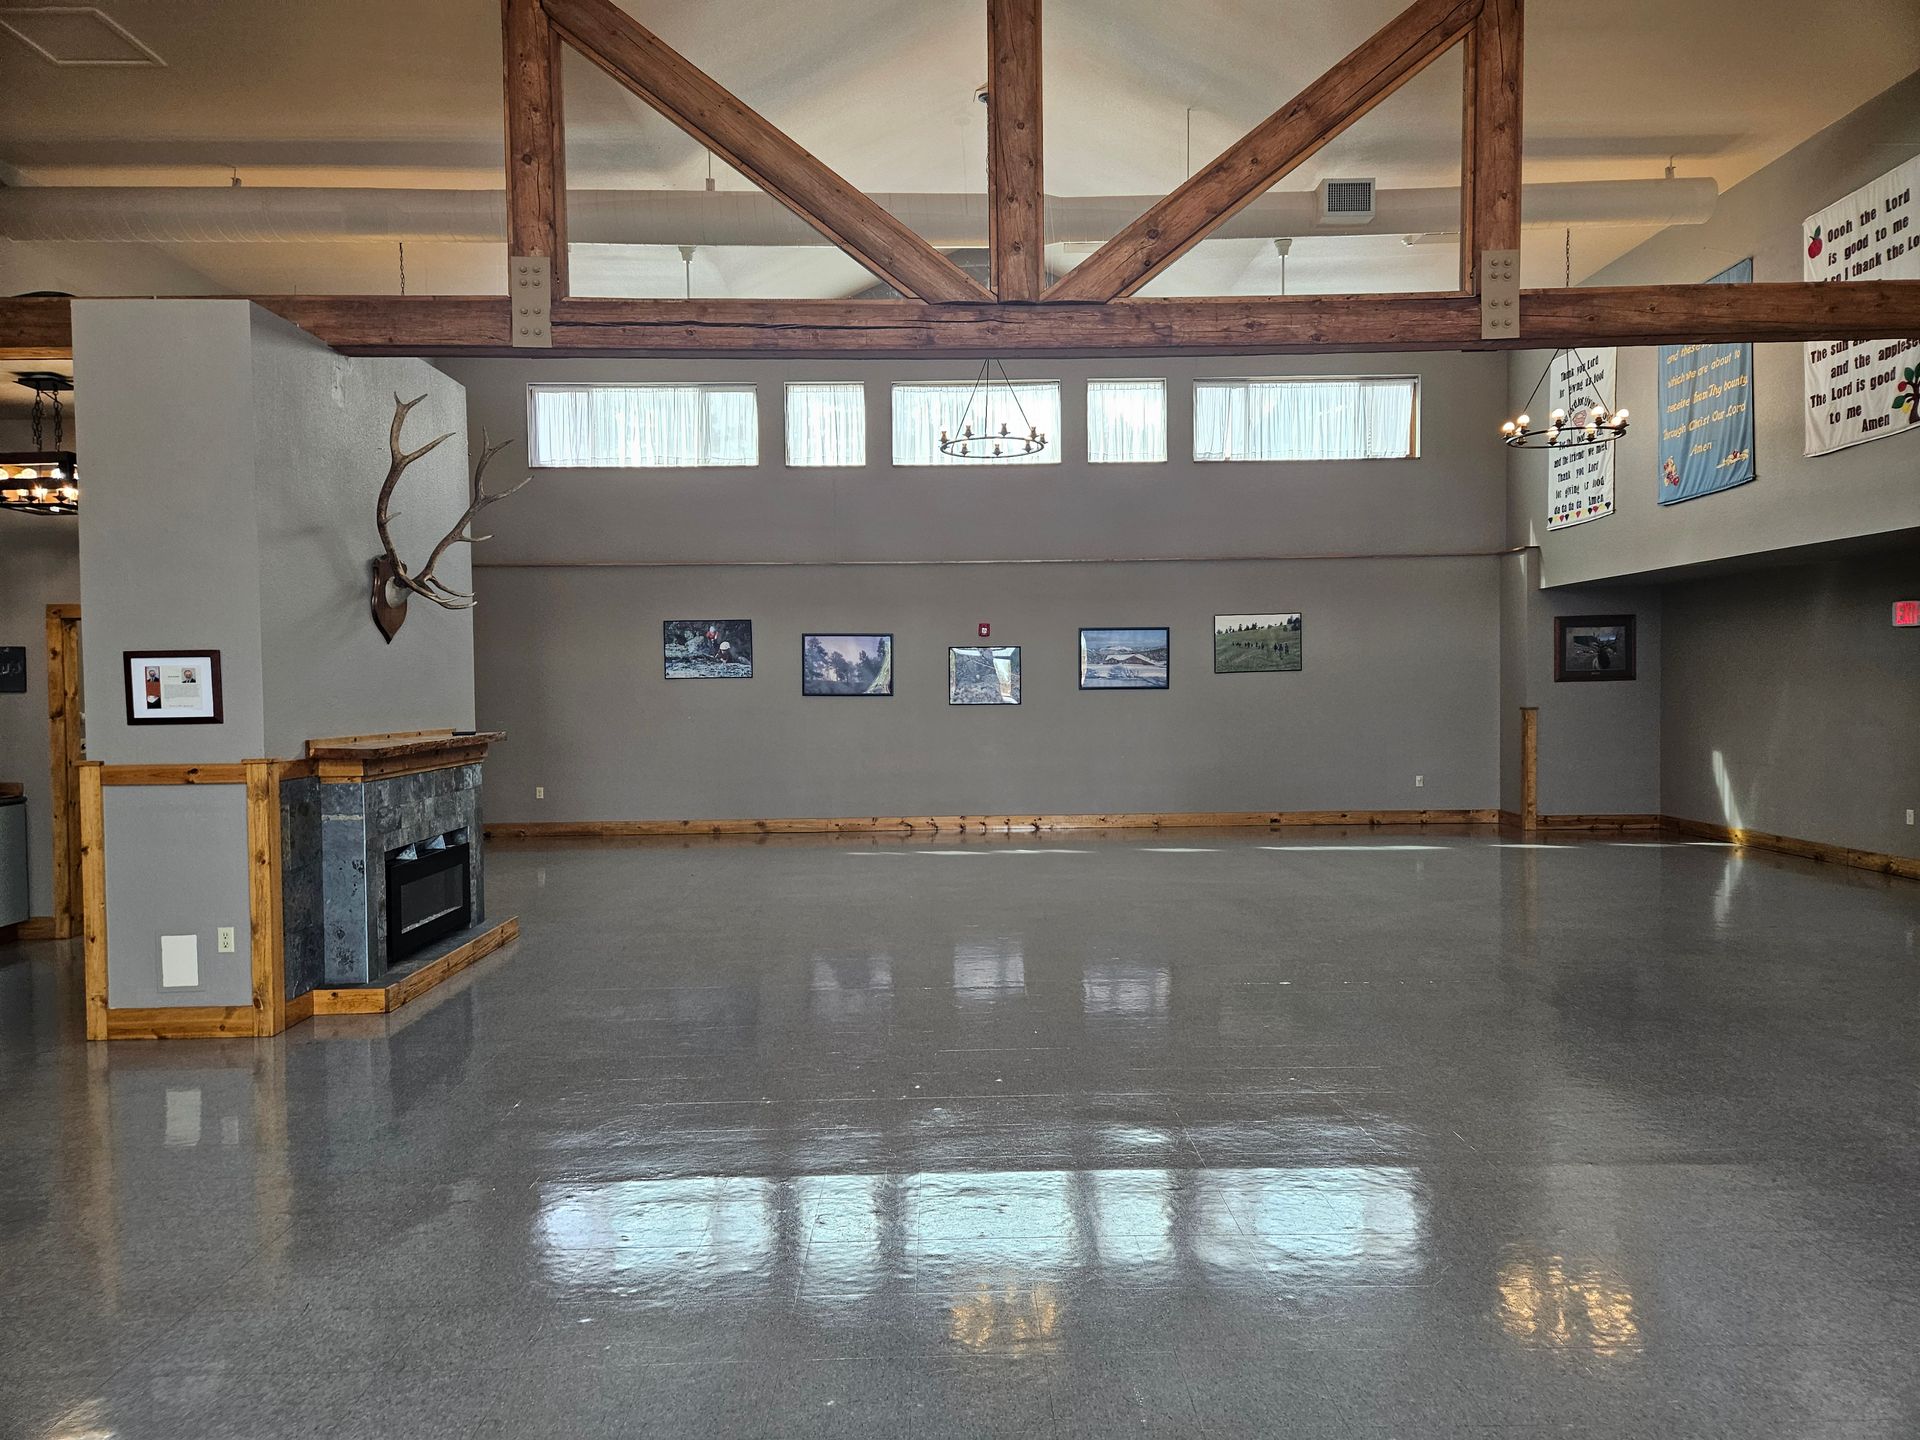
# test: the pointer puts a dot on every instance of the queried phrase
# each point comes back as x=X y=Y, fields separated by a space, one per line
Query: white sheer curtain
x=630 y=426
x=827 y=424
x=1126 y=421
x=921 y=412
x=1370 y=418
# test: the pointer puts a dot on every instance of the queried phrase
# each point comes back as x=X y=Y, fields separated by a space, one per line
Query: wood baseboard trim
x=1599 y=824
x=181 y=1022
x=35 y=927
x=384 y=999
x=539 y=830
x=1905 y=867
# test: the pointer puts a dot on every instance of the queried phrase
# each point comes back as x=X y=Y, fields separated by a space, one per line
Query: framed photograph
x=846 y=664
x=1124 y=659
x=707 y=649
x=172 y=687
x=983 y=675
x=1249 y=644
x=1593 y=647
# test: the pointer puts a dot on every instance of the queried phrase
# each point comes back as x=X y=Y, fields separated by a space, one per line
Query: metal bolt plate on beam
x=530 y=291
x=1499 y=294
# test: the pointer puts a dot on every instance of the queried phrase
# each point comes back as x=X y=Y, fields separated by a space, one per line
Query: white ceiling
x=353 y=92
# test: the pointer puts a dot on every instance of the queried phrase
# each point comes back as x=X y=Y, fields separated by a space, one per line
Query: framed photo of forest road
x=1593 y=647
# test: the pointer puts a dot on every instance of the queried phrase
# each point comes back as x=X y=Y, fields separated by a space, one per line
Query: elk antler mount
x=393 y=582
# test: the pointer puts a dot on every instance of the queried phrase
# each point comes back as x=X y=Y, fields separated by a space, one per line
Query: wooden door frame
x=65 y=752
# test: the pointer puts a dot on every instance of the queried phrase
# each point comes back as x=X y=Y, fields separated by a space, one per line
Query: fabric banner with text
x=1579 y=480
x=1864 y=390
x=1706 y=412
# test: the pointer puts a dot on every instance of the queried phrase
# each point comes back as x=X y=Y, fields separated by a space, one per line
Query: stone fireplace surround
x=337 y=829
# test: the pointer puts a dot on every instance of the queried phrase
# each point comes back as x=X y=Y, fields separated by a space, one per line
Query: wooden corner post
x=265 y=928
x=93 y=896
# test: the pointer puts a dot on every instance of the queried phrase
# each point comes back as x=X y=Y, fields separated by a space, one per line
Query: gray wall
x=1401 y=672
x=230 y=467
x=169 y=537
x=1449 y=500
x=176 y=865
x=1599 y=741
x=39 y=566
x=1798 y=709
x=320 y=436
x=1795 y=500
x=1400 y=679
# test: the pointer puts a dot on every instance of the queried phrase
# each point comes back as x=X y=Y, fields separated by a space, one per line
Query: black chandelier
x=42 y=481
x=986 y=429
x=1590 y=422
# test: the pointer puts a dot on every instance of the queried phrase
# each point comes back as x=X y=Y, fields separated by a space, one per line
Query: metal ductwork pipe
x=169 y=215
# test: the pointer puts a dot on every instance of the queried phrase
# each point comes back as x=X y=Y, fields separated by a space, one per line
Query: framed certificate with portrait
x=173 y=687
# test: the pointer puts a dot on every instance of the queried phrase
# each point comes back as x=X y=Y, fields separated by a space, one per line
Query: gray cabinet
x=14 y=906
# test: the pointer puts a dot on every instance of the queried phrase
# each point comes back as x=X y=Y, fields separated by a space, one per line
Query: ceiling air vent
x=75 y=35
x=1345 y=202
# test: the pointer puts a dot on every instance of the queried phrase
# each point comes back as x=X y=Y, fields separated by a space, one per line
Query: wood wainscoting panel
x=266 y=940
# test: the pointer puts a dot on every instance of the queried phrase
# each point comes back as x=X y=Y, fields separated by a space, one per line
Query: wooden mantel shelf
x=371 y=757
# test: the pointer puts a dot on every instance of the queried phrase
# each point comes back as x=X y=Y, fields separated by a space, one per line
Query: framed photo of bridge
x=1124 y=659
x=1593 y=647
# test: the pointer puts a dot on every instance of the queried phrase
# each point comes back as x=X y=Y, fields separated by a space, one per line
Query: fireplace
x=429 y=893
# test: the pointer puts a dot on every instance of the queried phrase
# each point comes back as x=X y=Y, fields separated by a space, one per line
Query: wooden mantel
x=406 y=752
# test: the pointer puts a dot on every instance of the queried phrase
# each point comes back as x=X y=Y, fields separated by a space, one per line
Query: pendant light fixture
x=42 y=481
x=1589 y=422
x=992 y=425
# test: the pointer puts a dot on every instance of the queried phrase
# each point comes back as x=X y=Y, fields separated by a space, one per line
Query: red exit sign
x=1906 y=614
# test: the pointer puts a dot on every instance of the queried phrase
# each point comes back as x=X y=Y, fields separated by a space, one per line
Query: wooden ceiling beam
x=1321 y=324
x=1490 y=138
x=1015 y=183
x=1248 y=169
x=536 y=147
x=1324 y=324
x=693 y=100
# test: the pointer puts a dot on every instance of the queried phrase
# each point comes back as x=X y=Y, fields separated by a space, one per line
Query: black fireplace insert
x=429 y=894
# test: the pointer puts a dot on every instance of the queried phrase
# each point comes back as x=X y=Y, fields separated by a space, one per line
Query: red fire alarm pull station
x=986 y=629
x=1906 y=614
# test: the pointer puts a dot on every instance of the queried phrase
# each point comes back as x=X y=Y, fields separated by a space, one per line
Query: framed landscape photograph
x=1116 y=659
x=1248 y=644
x=1593 y=647
x=707 y=649
x=172 y=687
x=983 y=675
x=846 y=664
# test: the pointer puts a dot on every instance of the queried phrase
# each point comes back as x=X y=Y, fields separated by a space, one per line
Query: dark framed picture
x=13 y=669
x=172 y=687
x=707 y=649
x=983 y=675
x=1117 y=659
x=1593 y=647
x=1253 y=644
x=846 y=664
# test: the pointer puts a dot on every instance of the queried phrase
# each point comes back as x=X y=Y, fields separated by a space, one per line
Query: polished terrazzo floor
x=1222 y=1134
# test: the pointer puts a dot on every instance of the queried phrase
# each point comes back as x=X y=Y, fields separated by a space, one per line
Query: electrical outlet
x=1419 y=781
x=1909 y=817
x=225 y=941
x=539 y=792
